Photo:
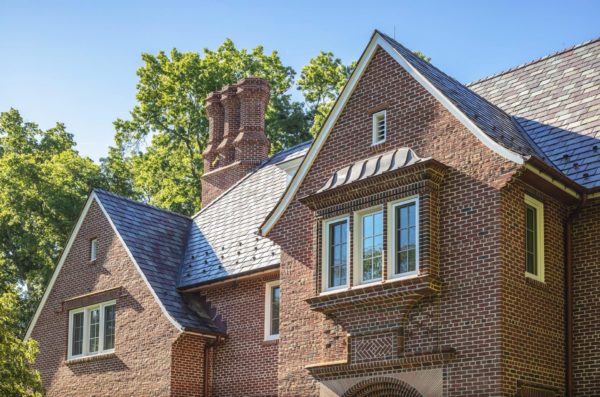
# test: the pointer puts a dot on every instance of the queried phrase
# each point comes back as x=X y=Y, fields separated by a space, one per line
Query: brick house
x=435 y=239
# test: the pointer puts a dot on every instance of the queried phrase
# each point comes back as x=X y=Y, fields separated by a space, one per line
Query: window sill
x=536 y=283
x=375 y=292
x=270 y=342
x=87 y=359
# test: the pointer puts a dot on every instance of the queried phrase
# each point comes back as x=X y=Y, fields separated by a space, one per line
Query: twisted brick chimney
x=237 y=143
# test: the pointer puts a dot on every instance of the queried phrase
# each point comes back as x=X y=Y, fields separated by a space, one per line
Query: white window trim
x=325 y=254
x=93 y=249
x=391 y=238
x=358 y=241
x=375 y=140
x=268 y=306
x=86 y=330
x=539 y=207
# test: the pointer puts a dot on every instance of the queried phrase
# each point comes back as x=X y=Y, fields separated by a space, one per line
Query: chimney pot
x=214 y=111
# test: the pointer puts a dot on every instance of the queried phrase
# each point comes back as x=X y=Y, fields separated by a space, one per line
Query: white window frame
x=539 y=208
x=358 y=242
x=375 y=137
x=268 y=309
x=325 y=254
x=391 y=236
x=86 y=330
x=93 y=249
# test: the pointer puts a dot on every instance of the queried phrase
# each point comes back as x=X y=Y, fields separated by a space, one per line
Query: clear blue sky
x=75 y=61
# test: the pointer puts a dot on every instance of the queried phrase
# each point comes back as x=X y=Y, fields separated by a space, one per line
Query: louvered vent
x=379 y=127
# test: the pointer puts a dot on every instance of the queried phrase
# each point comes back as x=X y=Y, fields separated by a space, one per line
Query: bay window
x=403 y=236
x=92 y=330
x=335 y=254
x=368 y=259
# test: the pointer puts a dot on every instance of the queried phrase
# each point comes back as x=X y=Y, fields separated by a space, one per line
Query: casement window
x=335 y=254
x=534 y=238
x=403 y=238
x=93 y=249
x=368 y=258
x=92 y=330
x=272 y=299
x=379 y=127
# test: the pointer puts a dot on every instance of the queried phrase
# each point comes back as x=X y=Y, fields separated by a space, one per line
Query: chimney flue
x=214 y=111
x=231 y=108
x=251 y=144
x=237 y=141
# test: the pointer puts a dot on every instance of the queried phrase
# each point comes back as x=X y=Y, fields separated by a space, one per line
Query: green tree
x=321 y=80
x=17 y=377
x=43 y=184
x=168 y=130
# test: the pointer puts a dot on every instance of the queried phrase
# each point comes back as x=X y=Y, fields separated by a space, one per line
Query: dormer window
x=379 y=127
x=93 y=249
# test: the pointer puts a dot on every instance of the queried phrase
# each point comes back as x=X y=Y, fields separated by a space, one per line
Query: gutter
x=568 y=235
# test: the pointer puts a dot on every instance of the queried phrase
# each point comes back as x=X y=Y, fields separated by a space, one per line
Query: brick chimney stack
x=237 y=143
x=231 y=107
x=214 y=111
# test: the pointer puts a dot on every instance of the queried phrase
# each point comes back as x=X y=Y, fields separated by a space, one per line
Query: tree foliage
x=17 y=377
x=321 y=80
x=163 y=140
x=43 y=184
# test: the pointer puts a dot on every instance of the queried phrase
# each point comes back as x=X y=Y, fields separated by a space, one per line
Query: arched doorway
x=382 y=387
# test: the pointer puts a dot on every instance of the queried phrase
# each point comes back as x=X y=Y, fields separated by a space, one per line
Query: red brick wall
x=243 y=364
x=467 y=314
x=532 y=312
x=586 y=297
x=187 y=366
x=141 y=363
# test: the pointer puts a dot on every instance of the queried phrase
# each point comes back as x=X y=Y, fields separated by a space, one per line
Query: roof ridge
x=534 y=61
x=140 y=203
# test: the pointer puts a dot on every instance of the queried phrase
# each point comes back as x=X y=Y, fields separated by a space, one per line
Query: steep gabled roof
x=556 y=100
x=223 y=240
x=490 y=124
x=156 y=239
x=490 y=119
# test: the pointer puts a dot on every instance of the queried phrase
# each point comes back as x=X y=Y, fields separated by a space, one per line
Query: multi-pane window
x=405 y=238
x=109 y=327
x=379 y=127
x=336 y=252
x=272 y=299
x=92 y=330
x=534 y=238
x=77 y=334
x=370 y=246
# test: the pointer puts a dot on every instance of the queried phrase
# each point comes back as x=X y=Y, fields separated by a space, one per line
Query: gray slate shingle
x=556 y=99
x=156 y=238
x=223 y=239
x=492 y=120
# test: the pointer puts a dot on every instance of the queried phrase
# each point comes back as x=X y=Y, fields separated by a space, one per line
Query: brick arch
x=382 y=387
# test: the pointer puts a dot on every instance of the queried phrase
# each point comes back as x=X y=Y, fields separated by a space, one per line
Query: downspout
x=209 y=348
x=568 y=236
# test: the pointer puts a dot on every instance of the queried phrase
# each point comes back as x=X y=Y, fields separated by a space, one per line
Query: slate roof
x=492 y=120
x=556 y=99
x=223 y=239
x=156 y=238
x=373 y=166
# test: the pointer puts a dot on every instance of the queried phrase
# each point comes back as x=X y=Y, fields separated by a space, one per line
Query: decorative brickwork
x=469 y=243
x=382 y=387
